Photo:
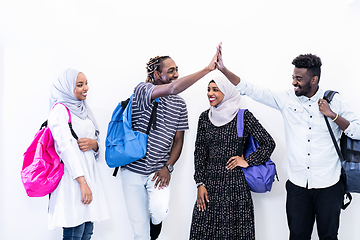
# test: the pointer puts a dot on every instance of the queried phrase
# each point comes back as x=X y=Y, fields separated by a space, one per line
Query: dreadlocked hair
x=153 y=65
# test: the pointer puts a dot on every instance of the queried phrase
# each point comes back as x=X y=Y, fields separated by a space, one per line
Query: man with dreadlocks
x=314 y=188
x=146 y=182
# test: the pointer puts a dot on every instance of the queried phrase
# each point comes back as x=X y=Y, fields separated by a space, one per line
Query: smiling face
x=81 y=87
x=304 y=85
x=214 y=94
x=168 y=73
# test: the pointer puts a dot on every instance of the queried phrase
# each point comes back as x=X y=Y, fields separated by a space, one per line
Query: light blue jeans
x=81 y=232
x=143 y=202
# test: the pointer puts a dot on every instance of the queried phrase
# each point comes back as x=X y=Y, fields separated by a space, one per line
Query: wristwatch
x=169 y=167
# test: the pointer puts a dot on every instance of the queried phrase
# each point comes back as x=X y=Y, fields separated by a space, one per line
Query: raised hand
x=220 y=64
x=233 y=78
x=213 y=63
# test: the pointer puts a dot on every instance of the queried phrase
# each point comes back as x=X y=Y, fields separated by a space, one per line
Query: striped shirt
x=171 y=117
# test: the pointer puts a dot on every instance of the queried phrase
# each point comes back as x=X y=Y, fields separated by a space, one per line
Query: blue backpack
x=259 y=177
x=123 y=145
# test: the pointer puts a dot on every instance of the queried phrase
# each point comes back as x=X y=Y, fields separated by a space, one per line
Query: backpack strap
x=240 y=122
x=152 y=120
x=69 y=121
x=328 y=96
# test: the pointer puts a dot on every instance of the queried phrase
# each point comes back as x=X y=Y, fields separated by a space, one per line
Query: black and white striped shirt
x=171 y=117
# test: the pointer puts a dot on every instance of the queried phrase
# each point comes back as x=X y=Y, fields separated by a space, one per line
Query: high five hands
x=219 y=63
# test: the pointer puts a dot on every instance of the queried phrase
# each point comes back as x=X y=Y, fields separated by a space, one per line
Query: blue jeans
x=81 y=232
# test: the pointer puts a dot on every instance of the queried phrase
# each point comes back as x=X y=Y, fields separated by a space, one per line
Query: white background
x=111 y=41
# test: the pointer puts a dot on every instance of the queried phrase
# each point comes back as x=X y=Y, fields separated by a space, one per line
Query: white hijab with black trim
x=62 y=91
x=225 y=111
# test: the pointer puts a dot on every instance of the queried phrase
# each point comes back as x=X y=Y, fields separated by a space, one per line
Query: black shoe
x=155 y=230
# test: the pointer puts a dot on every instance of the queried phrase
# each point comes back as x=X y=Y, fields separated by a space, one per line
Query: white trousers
x=143 y=202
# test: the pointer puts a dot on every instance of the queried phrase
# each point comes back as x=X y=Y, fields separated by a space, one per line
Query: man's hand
x=162 y=178
x=236 y=161
x=202 y=198
x=213 y=63
x=220 y=64
x=325 y=109
x=233 y=78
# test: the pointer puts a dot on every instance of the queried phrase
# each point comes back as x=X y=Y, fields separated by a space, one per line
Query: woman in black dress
x=224 y=208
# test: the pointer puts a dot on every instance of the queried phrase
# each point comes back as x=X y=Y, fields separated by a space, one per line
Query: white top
x=312 y=157
x=65 y=206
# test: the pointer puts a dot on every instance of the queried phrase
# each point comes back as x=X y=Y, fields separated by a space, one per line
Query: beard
x=303 y=90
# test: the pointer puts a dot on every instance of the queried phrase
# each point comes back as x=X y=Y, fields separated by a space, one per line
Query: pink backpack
x=42 y=168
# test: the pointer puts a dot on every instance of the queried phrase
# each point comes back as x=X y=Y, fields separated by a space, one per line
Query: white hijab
x=225 y=111
x=62 y=91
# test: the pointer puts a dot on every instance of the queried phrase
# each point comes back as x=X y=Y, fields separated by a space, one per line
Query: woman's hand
x=202 y=198
x=219 y=63
x=162 y=178
x=86 y=194
x=236 y=161
x=86 y=144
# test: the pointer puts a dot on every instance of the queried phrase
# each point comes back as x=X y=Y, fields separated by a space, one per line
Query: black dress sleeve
x=201 y=153
x=266 y=143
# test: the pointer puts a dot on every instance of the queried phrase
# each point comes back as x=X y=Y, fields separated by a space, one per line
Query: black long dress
x=230 y=212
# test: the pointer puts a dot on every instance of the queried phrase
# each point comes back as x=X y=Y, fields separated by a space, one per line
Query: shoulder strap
x=152 y=120
x=69 y=121
x=240 y=122
x=328 y=96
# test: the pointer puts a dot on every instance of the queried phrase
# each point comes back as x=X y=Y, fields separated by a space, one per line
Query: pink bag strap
x=66 y=110
x=69 y=122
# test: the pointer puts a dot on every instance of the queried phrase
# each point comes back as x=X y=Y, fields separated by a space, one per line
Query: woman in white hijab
x=78 y=200
x=224 y=208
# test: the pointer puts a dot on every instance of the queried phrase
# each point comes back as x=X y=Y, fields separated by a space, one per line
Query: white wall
x=111 y=41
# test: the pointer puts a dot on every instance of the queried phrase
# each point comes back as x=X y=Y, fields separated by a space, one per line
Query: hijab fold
x=62 y=91
x=225 y=111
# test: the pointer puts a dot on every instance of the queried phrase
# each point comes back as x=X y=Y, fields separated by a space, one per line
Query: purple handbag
x=259 y=177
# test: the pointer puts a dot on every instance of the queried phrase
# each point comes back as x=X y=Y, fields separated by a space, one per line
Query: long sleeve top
x=215 y=145
x=65 y=206
x=312 y=158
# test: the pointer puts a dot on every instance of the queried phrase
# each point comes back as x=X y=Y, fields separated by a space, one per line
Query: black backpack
x=349 y=156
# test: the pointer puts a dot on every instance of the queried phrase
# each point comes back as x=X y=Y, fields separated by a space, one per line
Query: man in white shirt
x=314 y=188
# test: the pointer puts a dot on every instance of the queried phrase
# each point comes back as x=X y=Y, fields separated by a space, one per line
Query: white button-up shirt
x=312 y=158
